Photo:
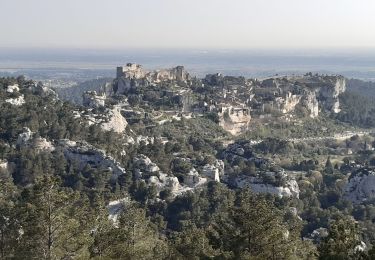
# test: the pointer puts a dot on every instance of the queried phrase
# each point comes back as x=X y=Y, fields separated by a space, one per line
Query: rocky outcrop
x=116 y=122
x=83 y=154
x=13 y=88
x=234 y=120
x=3 y=164
x=19 y=101
x=27 y=138
x=147 y=170
x=310 y=102
x=214 y=171
x=135 y=71
x=258 y=185
x=41 y=144
x=133 y=75
x=317 y=235
x=109 y=119
x=93 y=100
x=193 y=179
x=131 y=70
x=360 y=186
x=43 y=91
x=115 y=208
x=328 y=89
x=143 y=163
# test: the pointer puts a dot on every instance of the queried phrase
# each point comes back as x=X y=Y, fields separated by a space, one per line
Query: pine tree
x=132 y=238
x=55 y=222
x=328 y=167
x=341 y=241
x=9 y=219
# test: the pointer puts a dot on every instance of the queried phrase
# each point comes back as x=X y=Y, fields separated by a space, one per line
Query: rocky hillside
x=160 y=148
x=234 y=102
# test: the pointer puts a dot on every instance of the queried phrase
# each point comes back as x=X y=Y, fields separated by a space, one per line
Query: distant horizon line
x=198 y=49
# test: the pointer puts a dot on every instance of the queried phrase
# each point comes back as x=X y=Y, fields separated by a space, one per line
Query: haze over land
x=210 y=24
x=252 y=38
x=170 y=129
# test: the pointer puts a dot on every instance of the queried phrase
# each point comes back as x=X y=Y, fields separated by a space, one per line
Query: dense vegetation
x=51 y=208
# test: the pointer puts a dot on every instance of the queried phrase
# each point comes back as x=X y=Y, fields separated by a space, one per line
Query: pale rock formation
x=162 y=182
x=234 y=120
x=192 y=178
x=116 y=121
x=13 y=88
x=288 y=103
x=214 y=171
x=94 y=100
x=41 y=144
x=133 y=75
x=115 y=208
x=131 y=70
x=307 y=100
x=317 y=235
x=24 y=137
x=257 y=185
x=143 y=163
x=3 y=164
x=146 y=139
x=84 y=154
x=43 y=91
x=310 y=102
x=19 y=101
x=362 y=247
x=329 y=93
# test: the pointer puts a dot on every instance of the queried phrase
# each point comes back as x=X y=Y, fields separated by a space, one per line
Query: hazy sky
x=187 y=23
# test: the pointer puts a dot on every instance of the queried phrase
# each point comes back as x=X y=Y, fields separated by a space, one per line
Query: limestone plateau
x=237 y=102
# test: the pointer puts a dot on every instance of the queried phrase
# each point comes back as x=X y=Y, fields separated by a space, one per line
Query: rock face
x=84 y=154
x=41 y=144
x=38 y=143
x=19 y=101
x=143 y=163
x=288 y=189
x=193 y=179
x=133 y=75
x=25 y=136
x=310 y=102
x=135 y=71
x=267 y=180
x=115 y=208
x=3 y=164
x=13 y=88
x=131 y=70
x=360 y=186
x=92 y=99
x=116 y=122
x=234 y=120
x=148 y=171
x=214 y=171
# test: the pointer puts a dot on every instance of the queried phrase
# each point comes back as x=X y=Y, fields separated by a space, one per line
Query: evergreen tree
x=132 y=237
x=9 y=219
x=341 y=241
x=55 y=222
x=328 y=167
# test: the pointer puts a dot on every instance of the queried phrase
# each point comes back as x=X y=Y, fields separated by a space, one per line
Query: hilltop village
x=235 y=102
